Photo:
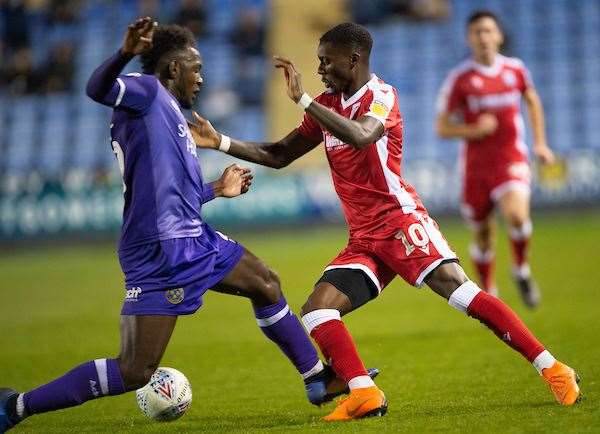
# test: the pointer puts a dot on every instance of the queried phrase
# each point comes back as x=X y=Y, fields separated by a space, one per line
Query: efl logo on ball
x=167 y=396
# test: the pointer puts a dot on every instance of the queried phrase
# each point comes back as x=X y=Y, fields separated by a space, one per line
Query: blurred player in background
x=391 y=232
x=169 y=256
x=480 y=103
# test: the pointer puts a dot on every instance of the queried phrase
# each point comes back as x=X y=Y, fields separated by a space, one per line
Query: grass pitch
x=441 y=371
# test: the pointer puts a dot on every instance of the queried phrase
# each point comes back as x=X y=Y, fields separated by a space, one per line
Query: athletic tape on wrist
x=305 y=101
x=225 y=143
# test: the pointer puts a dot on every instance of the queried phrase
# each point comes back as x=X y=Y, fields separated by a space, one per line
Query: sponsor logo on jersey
x=332 y=143
x=132 y=293
x=175 y=296
x=493 y=101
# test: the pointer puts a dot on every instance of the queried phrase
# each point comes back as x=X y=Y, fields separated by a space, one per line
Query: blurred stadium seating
x=60 y=136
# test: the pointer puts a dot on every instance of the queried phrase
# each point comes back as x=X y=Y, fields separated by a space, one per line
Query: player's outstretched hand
x=235 y=180
x=292 y=77
x=203 y=133
x=139 y=36
x=544 y=154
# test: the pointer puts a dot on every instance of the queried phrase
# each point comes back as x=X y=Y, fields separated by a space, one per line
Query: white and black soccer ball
x=167 y=396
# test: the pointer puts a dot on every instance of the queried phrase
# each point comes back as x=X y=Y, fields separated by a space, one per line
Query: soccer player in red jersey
x=391 y=232
x=479 y=102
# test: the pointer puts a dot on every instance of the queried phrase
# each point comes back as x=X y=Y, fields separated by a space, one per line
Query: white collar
x=358 y=94
x=492 y=70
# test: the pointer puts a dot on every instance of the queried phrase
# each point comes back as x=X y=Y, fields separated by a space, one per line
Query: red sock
x=337 y=345
x=506 y=324
x=484 y=264
x=519 y=249
x=519 y=241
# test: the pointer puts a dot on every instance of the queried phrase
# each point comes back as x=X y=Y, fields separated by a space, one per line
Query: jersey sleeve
x=525 y=79
x=310 y=128
x=383 y=107
x=133 y=91
x=449 y=98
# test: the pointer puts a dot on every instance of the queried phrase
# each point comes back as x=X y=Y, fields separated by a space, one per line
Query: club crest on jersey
x=175 y=296
x=477 y=82
x=509 y=78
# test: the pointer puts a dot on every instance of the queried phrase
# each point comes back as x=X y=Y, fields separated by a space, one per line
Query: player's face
x=485 y=38
x=335 y=66
x=190 y=78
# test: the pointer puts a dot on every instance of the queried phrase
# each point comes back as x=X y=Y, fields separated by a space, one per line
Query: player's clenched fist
x=139 y=36
x=235 y=180
x=486 y=124
x=292 y=77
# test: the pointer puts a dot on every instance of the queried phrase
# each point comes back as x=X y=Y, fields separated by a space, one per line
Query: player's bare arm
x=448 y=128
x=538 y=124
x=358 y=134
x=234 y=181
x=272 y=154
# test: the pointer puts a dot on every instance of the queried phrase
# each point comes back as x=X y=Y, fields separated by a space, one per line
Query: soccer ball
x=167 y=396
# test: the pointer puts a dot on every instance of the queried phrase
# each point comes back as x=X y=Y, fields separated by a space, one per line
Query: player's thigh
x=327 y=296
x=144 y=339
x=253 y=279
x=477 y=204
x=514 y=206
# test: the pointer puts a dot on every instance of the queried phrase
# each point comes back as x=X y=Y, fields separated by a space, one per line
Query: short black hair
x=349 y=34
x=484 y=13
x=166 y=39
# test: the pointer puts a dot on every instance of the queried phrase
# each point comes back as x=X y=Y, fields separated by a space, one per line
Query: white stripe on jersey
x=392 y=180
x=122 y=88
x=520 y=128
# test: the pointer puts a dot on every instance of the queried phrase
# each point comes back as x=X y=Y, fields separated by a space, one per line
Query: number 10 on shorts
x=416 y=238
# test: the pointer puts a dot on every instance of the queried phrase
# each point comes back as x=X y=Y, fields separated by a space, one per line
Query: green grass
x=441 y=371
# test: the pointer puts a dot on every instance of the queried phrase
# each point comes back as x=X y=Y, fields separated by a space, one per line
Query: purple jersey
x=163 y=185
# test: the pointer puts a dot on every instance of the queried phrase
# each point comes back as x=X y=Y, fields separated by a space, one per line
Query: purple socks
x=281 y=326
x=94 y=379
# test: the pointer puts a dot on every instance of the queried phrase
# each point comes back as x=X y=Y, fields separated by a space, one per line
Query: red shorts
x=482 y=189
x=416 y=249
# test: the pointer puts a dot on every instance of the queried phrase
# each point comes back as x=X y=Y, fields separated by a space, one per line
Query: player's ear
x=173 y=68
x=354 y=59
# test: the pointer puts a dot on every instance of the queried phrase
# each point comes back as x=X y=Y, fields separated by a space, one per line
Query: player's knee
x=517 y=220
x=268 y=289
x=446 y=278
x=135 y=374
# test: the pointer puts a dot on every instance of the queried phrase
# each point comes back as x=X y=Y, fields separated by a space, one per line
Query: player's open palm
x=292 y=77
x=139 y=36
x=235 y=180
x=203 y=133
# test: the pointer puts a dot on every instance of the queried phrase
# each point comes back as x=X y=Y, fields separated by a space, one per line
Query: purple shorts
x=170 y=277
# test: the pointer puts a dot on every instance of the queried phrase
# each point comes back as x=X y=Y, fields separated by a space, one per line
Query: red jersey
x=472 y=89
x=367 y=181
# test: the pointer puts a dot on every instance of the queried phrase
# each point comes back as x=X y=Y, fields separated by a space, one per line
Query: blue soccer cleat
x=8 y=417
x=326 y=385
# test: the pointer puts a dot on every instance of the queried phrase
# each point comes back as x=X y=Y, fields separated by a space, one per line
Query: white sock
x=314 y=370
x=543 y=360
x=361 y=382
x=318 y=317
x=462 y=296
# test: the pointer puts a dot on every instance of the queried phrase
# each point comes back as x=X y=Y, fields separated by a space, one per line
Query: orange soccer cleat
x=363 y=402
x=563 y=383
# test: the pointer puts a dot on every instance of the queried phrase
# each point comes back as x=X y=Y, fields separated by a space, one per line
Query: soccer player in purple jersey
x=169 y=256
